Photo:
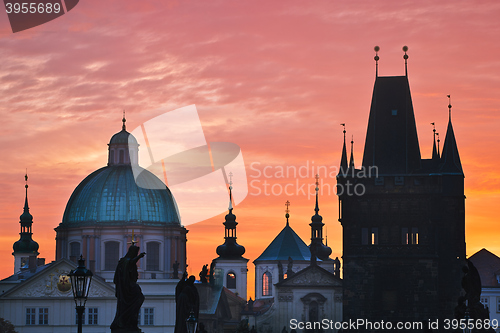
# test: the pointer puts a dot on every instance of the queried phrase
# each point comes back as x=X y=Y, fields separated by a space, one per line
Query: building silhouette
x=404 y=225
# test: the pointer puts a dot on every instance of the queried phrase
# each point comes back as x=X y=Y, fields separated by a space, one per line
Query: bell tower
x=404 y=234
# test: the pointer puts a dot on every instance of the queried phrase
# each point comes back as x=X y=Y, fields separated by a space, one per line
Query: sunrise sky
x=274 y=77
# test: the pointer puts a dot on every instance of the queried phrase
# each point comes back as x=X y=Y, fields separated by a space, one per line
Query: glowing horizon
x=276 y=78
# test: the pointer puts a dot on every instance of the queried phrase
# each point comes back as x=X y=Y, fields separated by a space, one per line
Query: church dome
x=110 y=195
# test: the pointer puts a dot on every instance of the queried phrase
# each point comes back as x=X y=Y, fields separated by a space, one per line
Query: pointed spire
x=351 y=160
x=343 y=159
x=438 y=141
x=316 y=209
x=124 y=127
x=376 y=48
x=435 y=155
x=405 y=57
x=287 y=210
x=450 y=156
x=26 y=208
x=230 y=192
x=230 y=249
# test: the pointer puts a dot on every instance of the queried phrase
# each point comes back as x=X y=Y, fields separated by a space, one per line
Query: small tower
x=230 y=263
x=318 y=249
x=123 y=147
x=25 y=249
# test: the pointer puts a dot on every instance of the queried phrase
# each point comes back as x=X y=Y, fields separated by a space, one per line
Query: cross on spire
x=287 y=211
x=123 y=121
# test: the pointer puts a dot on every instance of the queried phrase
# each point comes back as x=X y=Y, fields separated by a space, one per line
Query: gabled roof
x=43 y=283
x=488 y=266
x=286 y=244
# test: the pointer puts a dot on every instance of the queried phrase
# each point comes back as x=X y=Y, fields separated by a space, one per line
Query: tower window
x=408 y=238
x=414 y=235
x=394 y=112
x=111 y=255
x=112 y=156
x=267 y=284
x=369 y=236
x=231 y=280
x=374 y=238
x=153 y=257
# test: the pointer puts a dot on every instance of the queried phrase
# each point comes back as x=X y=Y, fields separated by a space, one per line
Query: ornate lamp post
x=191 y=323
x=80 y=283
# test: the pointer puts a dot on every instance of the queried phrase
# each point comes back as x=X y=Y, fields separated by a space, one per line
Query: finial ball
x=376 y=58
x=405 y=48
x=449 y=106
x=287 y=215
x=26 y=186
x=376 y=48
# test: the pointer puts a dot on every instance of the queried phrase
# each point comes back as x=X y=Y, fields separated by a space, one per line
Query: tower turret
x=317 y=248
x=450 y=157
x=25 y=249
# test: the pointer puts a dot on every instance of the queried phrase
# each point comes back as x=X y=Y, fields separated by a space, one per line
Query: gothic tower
x=402 y=217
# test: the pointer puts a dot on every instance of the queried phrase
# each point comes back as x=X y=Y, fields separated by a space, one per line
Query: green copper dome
x=111 y=196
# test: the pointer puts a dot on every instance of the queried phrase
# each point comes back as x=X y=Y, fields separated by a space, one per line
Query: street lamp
x=80 y=283
x=191 y=323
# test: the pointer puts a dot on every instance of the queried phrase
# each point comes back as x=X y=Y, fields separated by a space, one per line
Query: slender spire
x=376 y=48
x=450 y=156
x=287 y=210
x=438 y=141
x=405 y=57
x=316 y=209
x=351 y=161
x=230 y=192
x=317 y=248
x=26 y=208
x=343 y=159
x=435 y=155
x=124 y=127
x=230 y=249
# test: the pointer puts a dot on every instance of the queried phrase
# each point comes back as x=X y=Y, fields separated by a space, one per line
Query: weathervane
x=405 y=57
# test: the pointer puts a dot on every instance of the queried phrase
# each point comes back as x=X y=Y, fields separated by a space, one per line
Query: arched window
x=267 y=284
x=74 y=251
x=153 y=257
x=122 y=156
x=231 y=280
x=111 y=255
